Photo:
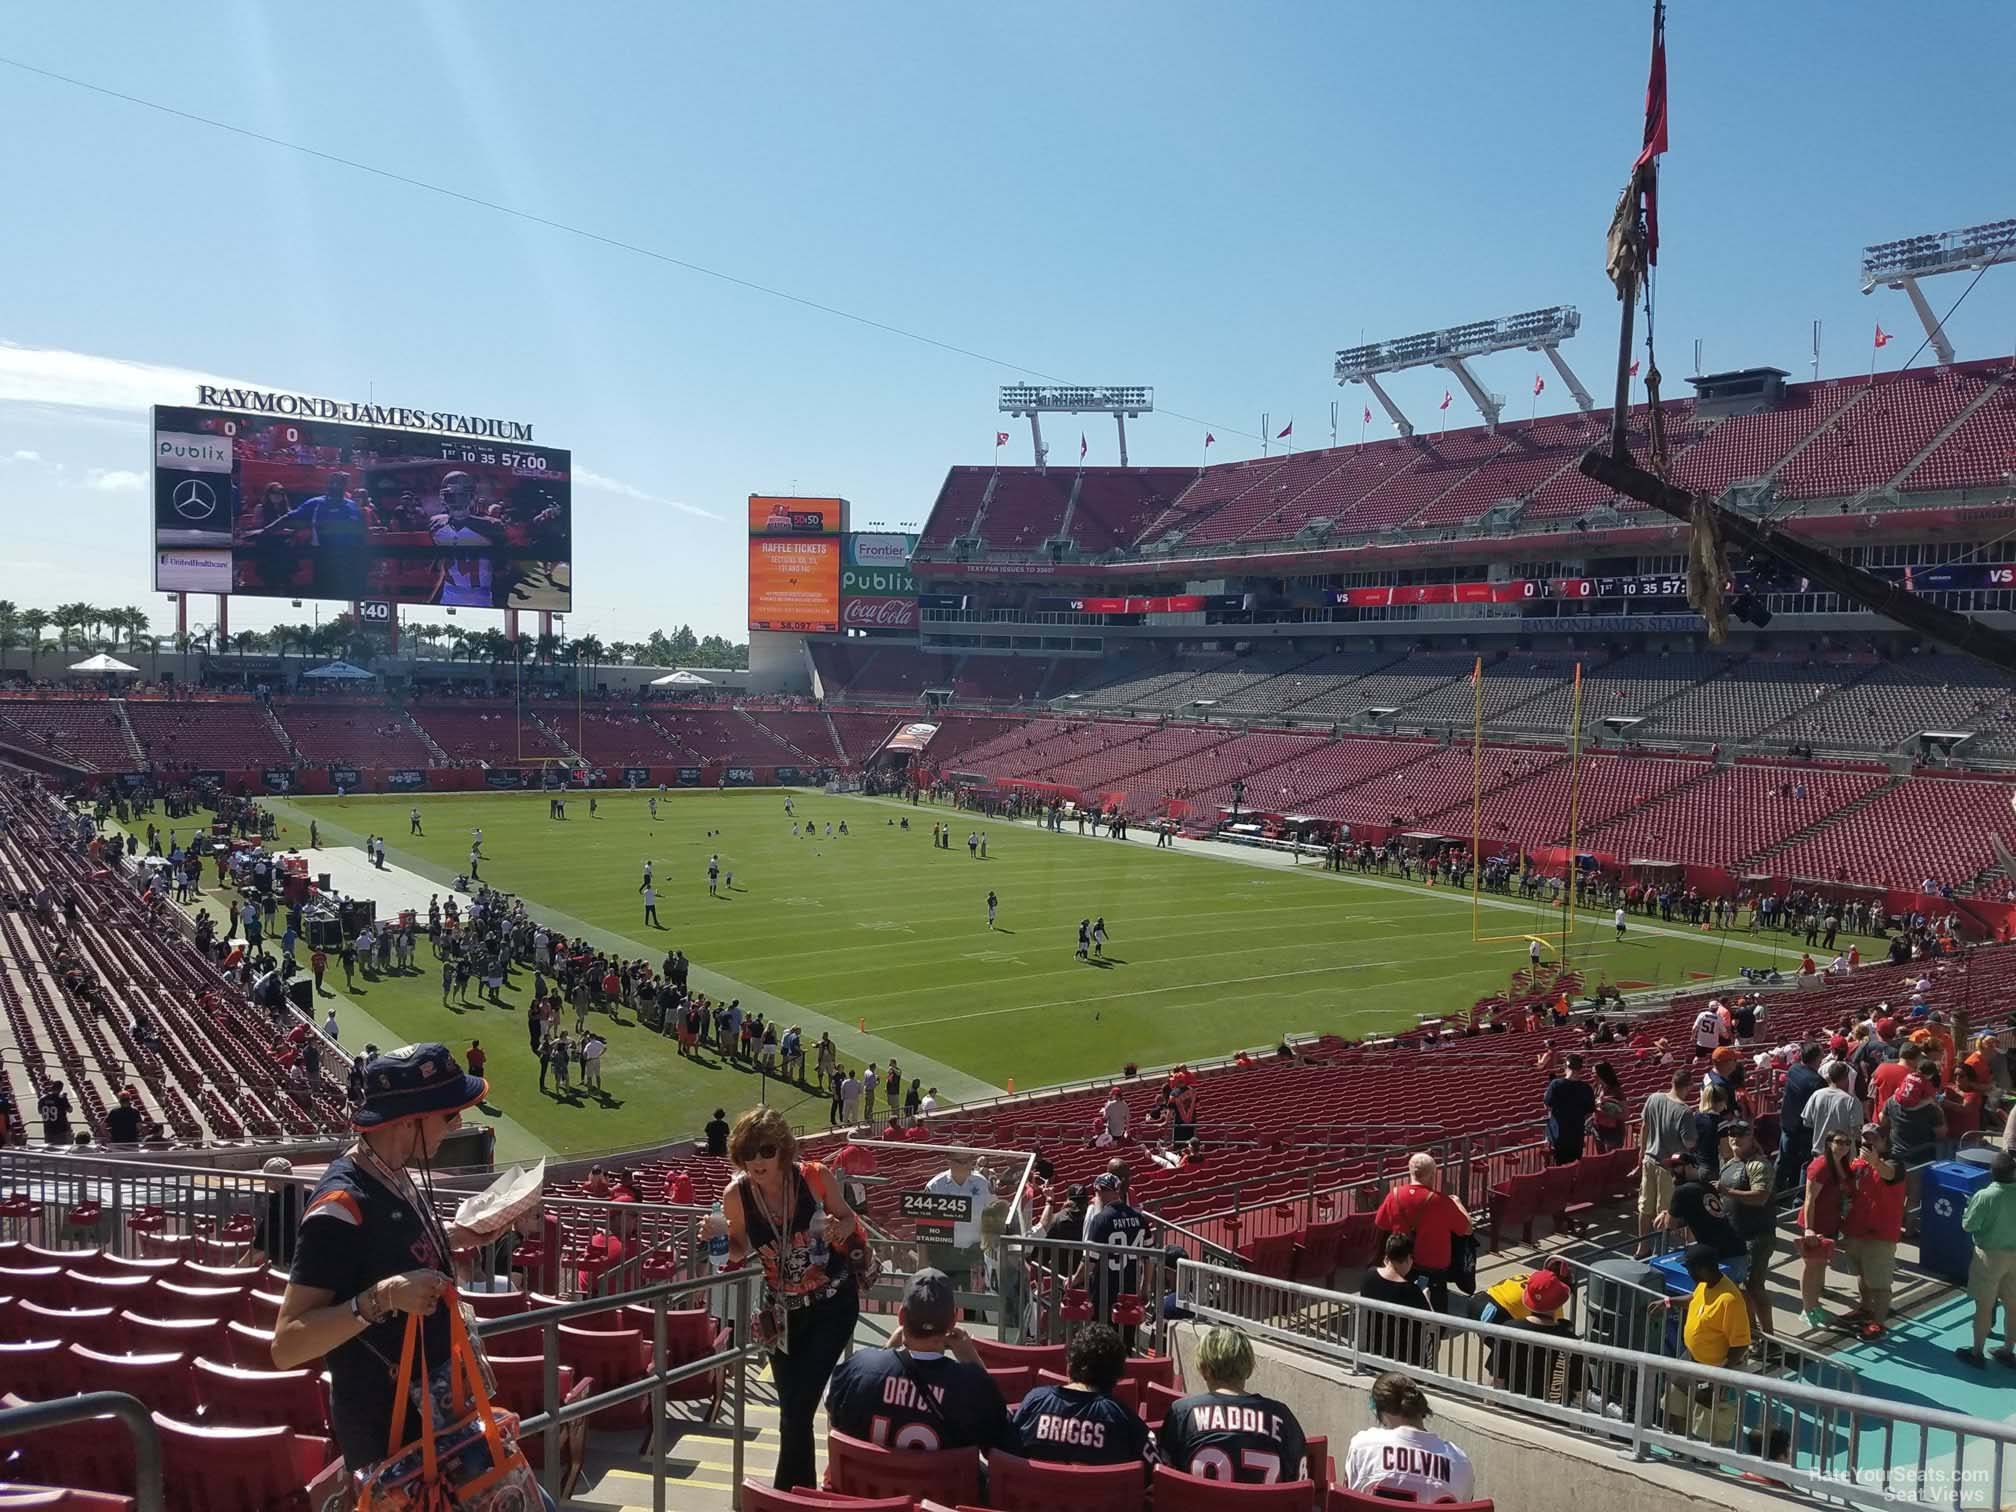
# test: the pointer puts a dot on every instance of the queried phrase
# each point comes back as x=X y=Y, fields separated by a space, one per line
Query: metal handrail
x=737 y=1284
x=1652 y=1402
x=93 y=1404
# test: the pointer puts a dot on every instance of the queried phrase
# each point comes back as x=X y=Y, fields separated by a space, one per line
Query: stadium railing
x=133 y=1416
x=730 y=1295
x=1849 y=1448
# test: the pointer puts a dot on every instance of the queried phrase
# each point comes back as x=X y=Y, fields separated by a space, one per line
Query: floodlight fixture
x=1452 y=348
x=1123 y=401
x=1900 y=264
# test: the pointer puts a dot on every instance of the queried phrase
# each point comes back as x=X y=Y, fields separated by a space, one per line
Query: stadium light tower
x=1123 y=402
x=1900 y=264
x=1453 y=347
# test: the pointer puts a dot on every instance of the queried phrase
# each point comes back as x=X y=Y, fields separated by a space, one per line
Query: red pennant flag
x=1539 y=383
x=1634 y=369
x=1882 y=336
x=1081 y=446
x=1285 y=432
x=1209 y=439
x=1368 y=414
x=1445 y=400
x=1655 y=99
x=1000 y=439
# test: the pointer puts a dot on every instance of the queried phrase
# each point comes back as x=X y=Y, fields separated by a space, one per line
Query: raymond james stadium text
x=305 y=407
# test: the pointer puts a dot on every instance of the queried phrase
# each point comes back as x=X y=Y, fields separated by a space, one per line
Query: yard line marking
x=1272 y=976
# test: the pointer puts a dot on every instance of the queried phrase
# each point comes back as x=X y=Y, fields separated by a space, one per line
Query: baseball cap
x=277 y=1165
x=1106 y=1181
x=1546 y=1292
x=1886 y=1026
x=1700 y=1256
x=1736 y=1128
x=928 y=1303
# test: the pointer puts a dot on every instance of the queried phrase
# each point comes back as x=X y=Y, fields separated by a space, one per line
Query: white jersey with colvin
x=468 y=579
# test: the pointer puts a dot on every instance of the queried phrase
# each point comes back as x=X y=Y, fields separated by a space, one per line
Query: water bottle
x=820 y=1253
x=717 y=1247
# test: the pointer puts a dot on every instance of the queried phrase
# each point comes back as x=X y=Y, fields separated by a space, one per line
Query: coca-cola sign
x=881 y=613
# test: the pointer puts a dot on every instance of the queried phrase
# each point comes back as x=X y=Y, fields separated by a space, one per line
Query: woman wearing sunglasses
x=791 y=1216
x=371 y=1249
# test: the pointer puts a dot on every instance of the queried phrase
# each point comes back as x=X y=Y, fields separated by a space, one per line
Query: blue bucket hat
x=412 y=1082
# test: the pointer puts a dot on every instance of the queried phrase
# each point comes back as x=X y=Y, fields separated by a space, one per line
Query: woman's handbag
x=1463 y=1262
x=473 y=1464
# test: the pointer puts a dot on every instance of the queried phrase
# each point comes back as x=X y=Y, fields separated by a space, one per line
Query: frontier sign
x=307 y=407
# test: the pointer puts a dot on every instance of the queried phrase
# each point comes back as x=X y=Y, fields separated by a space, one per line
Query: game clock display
x=295 y=508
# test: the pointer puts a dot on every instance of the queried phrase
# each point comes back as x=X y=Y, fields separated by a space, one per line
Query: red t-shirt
x=679 y=1187
x=1877 y=1210
x=1884 y=1082
x=1827 y=1197
x=1430 y=1216
x=855 y=1160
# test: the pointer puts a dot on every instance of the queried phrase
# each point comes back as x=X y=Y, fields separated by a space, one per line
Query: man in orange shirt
x=1419 y=1207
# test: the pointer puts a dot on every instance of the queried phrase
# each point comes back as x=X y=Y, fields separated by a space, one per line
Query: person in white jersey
x=1400 y=1458
x=465 y=579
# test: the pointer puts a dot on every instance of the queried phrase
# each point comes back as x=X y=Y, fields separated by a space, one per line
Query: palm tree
x=246 y=642
x=97 y=618
x=589 y=649
x=10 y=626
x=33 y=623
x=135 y=623
x=464 y=644
x=546 y=647
x=70 y=619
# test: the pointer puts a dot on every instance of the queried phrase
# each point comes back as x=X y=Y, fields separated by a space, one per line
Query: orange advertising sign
x=770 y=514
x=794 y=582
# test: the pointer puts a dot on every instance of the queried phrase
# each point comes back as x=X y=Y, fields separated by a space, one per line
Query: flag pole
x=1266 y=430
x=1477 y=801
x=1333 y=424
x=1574 y=813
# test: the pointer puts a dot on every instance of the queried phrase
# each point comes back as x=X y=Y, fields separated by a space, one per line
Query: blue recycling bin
x=1944 y=1247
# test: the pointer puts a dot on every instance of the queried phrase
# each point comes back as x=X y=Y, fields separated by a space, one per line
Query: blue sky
x=1208 y=198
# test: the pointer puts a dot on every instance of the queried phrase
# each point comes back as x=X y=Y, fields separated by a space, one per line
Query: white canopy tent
x=102 y=665
x=682 y=679
x=340 y=671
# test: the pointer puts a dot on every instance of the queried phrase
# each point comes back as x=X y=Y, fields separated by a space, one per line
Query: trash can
x=1944 y=1247
x=1617 y=1303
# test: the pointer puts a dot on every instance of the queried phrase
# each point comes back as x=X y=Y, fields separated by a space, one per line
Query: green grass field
x=1206 y=954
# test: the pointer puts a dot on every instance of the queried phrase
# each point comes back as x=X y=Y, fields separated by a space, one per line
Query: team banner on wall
x=405 y=779
x=636 y=777
x=278 y=779
x=739 y=777
x=346 y=777
x=688 y=777
x=794 y=562
x=503 y=777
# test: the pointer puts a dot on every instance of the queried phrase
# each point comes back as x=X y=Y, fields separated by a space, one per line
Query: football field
x=882 y=940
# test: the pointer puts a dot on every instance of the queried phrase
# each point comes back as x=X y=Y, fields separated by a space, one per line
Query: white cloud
x=588 y=478
x=25 y=456
x=115 y=480
x=49 y=375
x=81 y=380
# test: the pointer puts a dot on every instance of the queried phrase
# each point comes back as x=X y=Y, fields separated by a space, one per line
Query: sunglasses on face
x=763 y=1152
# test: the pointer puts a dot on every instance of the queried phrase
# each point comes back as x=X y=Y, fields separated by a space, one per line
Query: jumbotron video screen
x=293 y=508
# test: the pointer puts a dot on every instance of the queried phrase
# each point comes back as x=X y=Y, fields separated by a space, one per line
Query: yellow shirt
x=1717 y=1322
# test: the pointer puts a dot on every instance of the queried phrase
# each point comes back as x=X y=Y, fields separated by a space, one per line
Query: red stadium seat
x=37 y=1368
x=173 y=1301
x=861 y=1469
x=108 y=1291
x=43 y=1284
x=1156 y=1400
x=1174 y=1491
x=122 y=1265
x=19 y=1498
x=1343 y=1499
x=264 y=1308
x=1157 y=1369
x=68 y=1259
x=236 y=1398
x=521 y=1387
x=237 y=1469
x=95 y=1327
x=757 y=1497
x=1015 y=1381
x=243 y=1276
x=95 y=1454
x=188 y=1336
x=247 y=1347
x=488 y=1304
x=1035 y=1356
x=160 y=1380
x=613 y=1357
x=1015 y=1484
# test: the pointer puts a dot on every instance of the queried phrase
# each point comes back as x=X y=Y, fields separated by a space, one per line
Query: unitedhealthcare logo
x=187 y=452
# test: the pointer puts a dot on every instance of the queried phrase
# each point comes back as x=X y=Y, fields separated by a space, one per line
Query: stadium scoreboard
x=794 y=562
x=294 y=504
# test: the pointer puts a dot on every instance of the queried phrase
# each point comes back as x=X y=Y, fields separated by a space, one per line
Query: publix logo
x=859 y=580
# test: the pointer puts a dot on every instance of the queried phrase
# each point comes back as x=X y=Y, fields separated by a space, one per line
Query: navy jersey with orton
x=874 y=1398
x=354 y=1233
x=1071 y=1427
x=1235 y=1436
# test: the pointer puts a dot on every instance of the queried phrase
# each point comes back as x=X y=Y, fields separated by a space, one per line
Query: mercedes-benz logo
x=193 y=499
